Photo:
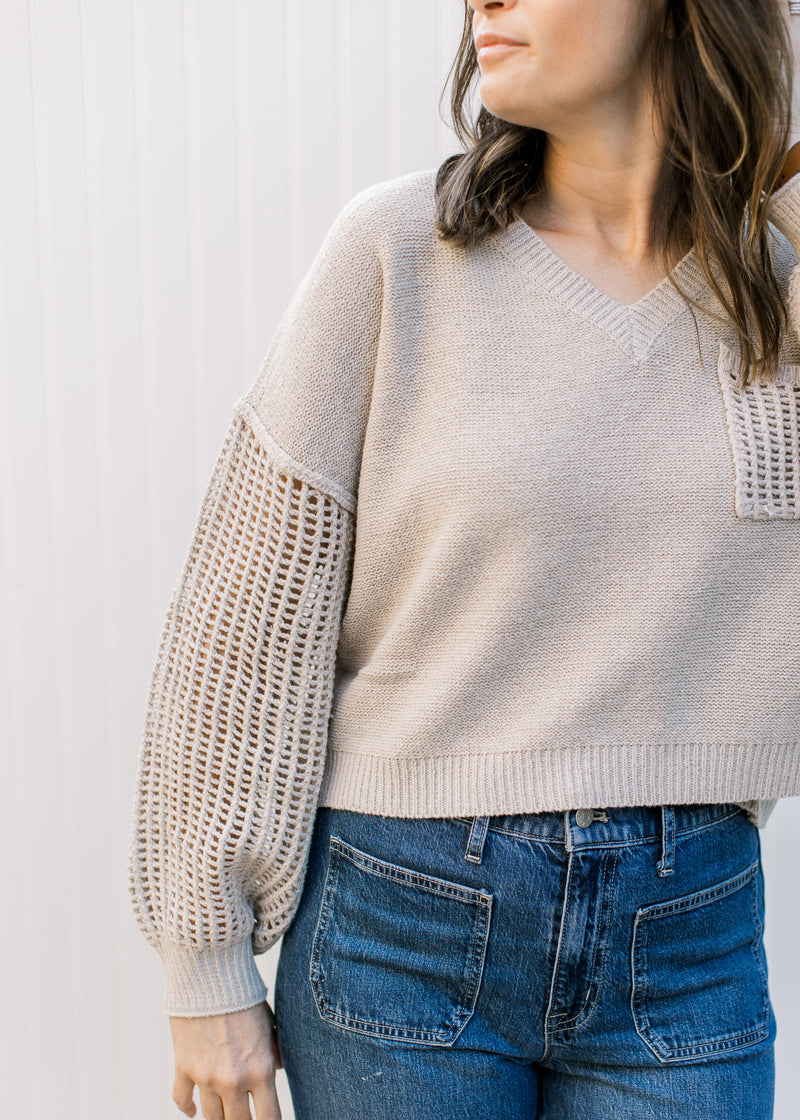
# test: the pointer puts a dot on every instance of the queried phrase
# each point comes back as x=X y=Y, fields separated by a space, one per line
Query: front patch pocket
x=763 y=429
x=396 y=953
x=699 y=973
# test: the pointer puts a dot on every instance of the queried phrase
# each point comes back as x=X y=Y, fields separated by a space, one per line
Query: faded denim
x=527 y=967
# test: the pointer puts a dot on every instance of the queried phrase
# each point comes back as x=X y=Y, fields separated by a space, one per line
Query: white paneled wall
x=170 y=168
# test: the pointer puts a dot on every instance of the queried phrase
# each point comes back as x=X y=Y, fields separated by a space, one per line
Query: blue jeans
x=560 y=966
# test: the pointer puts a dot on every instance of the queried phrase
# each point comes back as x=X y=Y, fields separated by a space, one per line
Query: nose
x=479 y=6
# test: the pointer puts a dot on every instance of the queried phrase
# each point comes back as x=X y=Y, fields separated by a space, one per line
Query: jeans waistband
x=602 y=827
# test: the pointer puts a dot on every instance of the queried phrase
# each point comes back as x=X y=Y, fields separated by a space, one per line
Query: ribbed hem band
x=538 y=781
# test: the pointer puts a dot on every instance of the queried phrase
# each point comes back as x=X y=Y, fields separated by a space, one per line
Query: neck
x=598 y=185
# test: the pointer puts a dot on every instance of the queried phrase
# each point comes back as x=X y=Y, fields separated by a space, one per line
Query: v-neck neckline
x=633 y=326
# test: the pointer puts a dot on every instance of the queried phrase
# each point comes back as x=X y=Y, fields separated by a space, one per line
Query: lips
x=487 y=40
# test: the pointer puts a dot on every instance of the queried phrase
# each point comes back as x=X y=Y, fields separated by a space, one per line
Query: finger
x=211 y=1105
x=266 y=1104
x=182 y=1090
x=234 y=1104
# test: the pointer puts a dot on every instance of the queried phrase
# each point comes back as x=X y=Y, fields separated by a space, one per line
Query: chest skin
x=624 y=281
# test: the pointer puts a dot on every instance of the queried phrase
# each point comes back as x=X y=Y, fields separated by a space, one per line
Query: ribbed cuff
x=783 y=210
x=210 y=981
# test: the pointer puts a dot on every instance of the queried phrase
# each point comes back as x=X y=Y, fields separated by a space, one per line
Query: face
x=576 y=60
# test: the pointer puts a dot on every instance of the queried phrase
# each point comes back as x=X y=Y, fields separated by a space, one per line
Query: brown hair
x=722 y=74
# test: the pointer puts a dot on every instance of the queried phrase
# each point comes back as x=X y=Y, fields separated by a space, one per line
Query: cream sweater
x=479 y=540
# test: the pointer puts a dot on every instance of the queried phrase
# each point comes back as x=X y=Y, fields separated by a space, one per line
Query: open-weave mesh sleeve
x=236 y=723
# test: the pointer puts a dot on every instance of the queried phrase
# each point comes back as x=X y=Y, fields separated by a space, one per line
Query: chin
x=509 y=112
x=497 y=104
x=504 y=103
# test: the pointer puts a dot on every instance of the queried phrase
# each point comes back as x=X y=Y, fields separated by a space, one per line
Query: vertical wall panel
x=174 y=167
x=129 y=486
x=14 y=1057
x=33 y=315
x=360 y=81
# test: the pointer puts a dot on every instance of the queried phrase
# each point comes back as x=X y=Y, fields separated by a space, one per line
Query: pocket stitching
x=639 y=970
x=699 y=898
x=321 y=928
x=339 y=850
x=382 y=869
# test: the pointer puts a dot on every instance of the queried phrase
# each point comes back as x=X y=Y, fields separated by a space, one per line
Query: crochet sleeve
x=242 y=687
x=235 y=728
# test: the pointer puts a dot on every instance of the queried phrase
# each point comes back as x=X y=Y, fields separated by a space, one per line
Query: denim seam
x=547 y=1029
x=724 y=1045
x=478 y=959
x=322 y=924
x=579 y=1019
x=699 y=898
x=707 y=824
x=568 y=1024
x=759 y=930
x=382 y=869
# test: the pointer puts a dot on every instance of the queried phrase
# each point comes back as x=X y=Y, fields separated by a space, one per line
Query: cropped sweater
x=479 y=540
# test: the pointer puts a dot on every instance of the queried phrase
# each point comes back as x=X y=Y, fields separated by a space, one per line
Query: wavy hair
x=721 y=74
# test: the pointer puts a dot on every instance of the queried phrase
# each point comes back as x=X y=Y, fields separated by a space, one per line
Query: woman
x=496 y=764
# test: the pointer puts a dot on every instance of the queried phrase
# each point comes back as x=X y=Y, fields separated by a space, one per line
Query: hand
x=227 y=1057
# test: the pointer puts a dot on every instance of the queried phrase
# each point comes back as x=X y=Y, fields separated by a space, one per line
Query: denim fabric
x=559 y=966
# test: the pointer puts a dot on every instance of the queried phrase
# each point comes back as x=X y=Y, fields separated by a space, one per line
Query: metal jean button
x=584 y=817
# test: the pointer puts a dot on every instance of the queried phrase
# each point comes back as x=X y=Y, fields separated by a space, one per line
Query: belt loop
x=567 y=832
x=477 y=836
x=665 y=865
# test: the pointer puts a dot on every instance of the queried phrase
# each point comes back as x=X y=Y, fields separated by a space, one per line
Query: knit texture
x=571 y=581
x=235 y=731
x=764 y=432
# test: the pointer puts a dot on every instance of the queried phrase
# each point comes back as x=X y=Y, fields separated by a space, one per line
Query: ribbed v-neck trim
x=635 y=326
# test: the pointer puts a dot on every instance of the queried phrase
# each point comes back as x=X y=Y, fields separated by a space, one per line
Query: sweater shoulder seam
x=244 y=409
